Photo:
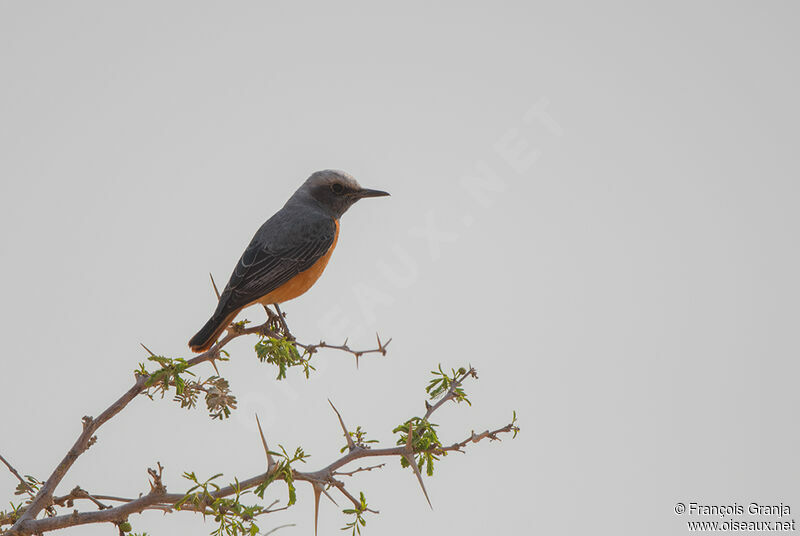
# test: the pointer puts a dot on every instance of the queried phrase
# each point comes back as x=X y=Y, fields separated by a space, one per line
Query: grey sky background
x=622 y=271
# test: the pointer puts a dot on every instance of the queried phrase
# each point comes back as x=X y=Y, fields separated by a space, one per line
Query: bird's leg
x=286 y=333
x=273 y=324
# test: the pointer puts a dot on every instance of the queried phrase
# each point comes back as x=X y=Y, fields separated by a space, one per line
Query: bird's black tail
x=208 y=334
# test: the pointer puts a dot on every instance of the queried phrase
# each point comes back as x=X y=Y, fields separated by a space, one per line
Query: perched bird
x=289 y=252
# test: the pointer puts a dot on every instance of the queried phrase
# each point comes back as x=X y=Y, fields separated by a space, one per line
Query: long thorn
x=328 y=495
x=214 y=364
x=409 y=456
x=213 y=284
x=350 y=443
x=317 y=492
x=147 y=349
x=270 y=460
x=413 y=463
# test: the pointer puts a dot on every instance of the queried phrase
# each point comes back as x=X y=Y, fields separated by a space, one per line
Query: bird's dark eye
x=337 y=188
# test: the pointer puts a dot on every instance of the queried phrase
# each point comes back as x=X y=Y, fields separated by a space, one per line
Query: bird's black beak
x=366 y=192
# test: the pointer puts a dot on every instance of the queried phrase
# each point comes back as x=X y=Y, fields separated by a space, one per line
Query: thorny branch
x=43 y=499
x=276 y=324
x=420 y=444
x=321 y=480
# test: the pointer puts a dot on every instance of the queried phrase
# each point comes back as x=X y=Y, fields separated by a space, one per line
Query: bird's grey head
x=335 y=191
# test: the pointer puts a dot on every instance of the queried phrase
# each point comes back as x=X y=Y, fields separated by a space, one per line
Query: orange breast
x=302 y=281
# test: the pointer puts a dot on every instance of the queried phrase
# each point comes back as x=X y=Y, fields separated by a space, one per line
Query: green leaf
x=284 y=354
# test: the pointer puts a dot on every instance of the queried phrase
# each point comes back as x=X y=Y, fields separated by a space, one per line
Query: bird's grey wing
x=276 y=254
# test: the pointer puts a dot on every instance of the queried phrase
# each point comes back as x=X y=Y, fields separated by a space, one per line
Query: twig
x=450 y=393
x=85 y=440
x=113 y=498
x=25 y=485
x=312 y=348
x=474 y=438
x=340 y=486
x=359 y=470
x=79 y=493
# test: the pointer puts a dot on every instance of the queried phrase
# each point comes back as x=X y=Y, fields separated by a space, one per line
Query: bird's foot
x=276 y=322
x=282 y=319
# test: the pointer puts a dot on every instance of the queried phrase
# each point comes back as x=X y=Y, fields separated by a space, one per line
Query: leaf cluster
x=168 y=375
x=359 y=511
x=234 y=517
x=30 y=486
x=9 y=517
x=283 y=353
x=424 y=441
x=359 y=438
x=442 y=382
x=283 y=471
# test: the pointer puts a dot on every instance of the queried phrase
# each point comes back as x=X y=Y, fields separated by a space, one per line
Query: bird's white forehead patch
x=329 y=176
